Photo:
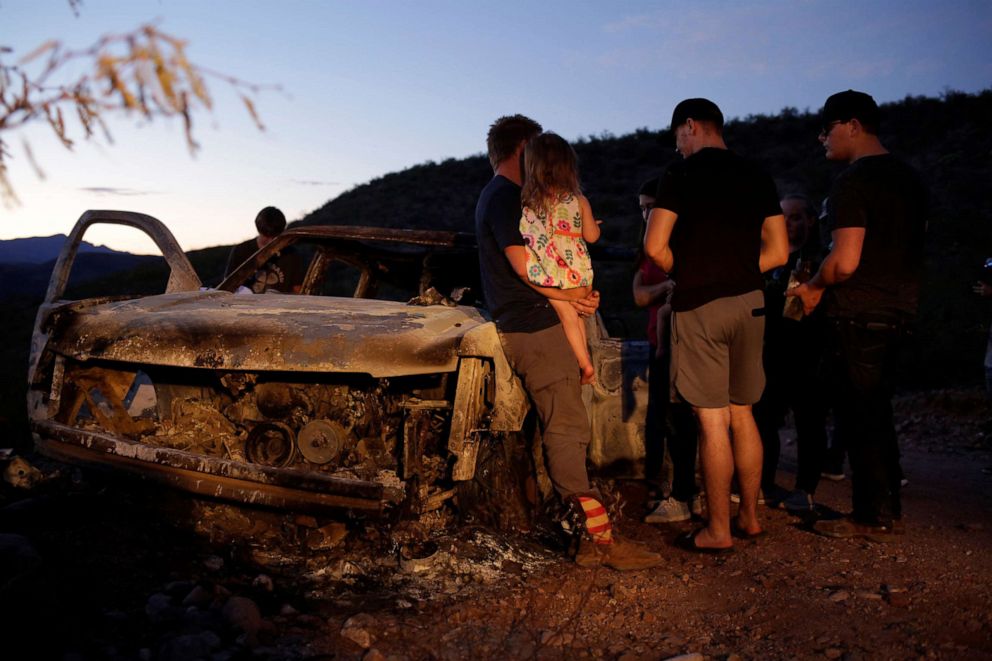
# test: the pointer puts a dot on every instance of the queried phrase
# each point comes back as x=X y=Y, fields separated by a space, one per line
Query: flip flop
x=740 y=533
x=687 y=542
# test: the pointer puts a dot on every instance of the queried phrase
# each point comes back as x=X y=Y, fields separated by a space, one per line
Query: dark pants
x=864 y=355
x=794 y=371
x=545 y=363
x=810 y=413
x=670 y=424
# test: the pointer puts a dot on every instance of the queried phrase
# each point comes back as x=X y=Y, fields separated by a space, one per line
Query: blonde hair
x=551 y=169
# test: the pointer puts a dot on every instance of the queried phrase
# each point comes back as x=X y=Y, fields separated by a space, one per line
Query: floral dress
x=558 y=255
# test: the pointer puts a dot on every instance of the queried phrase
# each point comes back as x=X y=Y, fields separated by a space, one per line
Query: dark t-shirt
x=721 y=200
x=887 y=197
x=514 y=306
x=282 y=273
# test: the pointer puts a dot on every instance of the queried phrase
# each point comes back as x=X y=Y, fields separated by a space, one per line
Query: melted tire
x=497 y=496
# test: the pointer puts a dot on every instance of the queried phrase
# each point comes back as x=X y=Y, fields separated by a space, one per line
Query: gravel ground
x=92 y=569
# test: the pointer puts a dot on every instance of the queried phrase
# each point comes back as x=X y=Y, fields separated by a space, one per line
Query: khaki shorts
x=716 y=352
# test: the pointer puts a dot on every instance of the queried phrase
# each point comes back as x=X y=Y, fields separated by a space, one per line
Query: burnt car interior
x=373 y=390
x=381 y=263
x=376 y=437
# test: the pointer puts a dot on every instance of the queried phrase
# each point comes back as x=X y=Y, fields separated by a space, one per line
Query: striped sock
x=597 y=521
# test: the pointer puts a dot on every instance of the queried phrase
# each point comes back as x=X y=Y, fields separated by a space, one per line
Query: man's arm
x=838 y=266
x=661 y=222
x=774 y=243
x=645 y=295
x=517 y=256
x=587 y=306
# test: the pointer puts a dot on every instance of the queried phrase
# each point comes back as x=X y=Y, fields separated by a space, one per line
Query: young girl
x=557 y=224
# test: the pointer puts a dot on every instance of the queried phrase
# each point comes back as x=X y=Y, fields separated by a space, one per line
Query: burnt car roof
x=380 y=250
x=436 y=238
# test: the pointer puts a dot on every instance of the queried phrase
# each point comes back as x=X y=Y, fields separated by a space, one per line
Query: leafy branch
x=143 y=72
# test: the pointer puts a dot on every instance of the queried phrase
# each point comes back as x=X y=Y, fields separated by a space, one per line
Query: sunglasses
x=827 y=128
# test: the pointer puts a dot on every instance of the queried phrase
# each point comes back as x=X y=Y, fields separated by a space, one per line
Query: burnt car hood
x=220 y=330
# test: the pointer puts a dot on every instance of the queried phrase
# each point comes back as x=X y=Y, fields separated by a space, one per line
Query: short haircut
x=700 y=110
x=811 y=210
x=650 y=187
x=270 y=222
x=848 y=105
x=506 y=134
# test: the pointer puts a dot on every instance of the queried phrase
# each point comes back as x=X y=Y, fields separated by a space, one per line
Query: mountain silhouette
x=41 y=249
x=948 y=139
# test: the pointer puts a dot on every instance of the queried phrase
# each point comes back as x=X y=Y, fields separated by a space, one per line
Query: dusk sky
x=371 y=87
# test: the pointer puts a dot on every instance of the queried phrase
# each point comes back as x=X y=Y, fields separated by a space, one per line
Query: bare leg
x=575 y=332
x=718 y=468
x=747 y=459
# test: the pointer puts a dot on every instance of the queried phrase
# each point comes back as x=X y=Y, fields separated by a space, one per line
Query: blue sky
x=371 y=87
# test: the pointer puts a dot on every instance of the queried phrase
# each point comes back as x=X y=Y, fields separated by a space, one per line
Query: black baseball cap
x=845 y=106
x=701 y=110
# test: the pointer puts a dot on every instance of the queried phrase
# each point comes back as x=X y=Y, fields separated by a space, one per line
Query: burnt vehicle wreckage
x=312 y=402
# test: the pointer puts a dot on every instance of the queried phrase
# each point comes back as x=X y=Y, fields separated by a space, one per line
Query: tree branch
x=145 y=71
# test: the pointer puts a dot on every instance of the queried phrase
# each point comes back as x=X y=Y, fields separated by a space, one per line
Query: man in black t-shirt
x=869 y=287
x=716 y=227
x=283 y=272
x=534 y=342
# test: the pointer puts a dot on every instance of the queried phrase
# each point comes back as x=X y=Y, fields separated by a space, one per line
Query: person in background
x=834 y=456
x=869 y=287
x=984 y=289
x=668 y=424
x=283 y=272
x=793 y=352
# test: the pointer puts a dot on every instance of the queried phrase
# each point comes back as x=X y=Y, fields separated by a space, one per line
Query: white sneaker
x=669 y=511
x=736 y=497
x=697 y=505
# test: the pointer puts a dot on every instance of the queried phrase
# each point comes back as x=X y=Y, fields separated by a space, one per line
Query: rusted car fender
x=510 y=405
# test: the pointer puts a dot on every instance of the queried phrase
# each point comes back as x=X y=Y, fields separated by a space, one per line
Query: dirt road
x=119 y=574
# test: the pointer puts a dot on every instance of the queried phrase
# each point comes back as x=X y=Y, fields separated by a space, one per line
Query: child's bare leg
x=575 y=332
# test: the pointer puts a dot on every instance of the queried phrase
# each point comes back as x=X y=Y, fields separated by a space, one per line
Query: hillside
x=29 y=282
x=41 y=249
x=949 y=139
